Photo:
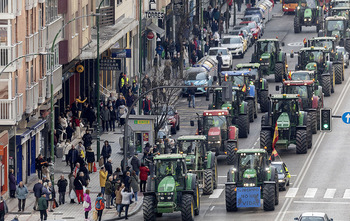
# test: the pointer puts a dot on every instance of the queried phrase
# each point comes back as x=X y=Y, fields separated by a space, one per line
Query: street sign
x=248 y=197
x=111 y=64
x=121 y=53
x=346 y=117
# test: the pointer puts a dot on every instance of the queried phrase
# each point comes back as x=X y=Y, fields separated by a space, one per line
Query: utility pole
x=140 y=54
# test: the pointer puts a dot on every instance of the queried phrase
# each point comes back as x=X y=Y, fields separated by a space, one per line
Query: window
x=106 y=3
x=77 y=23
x=85 y=19
x=51 y=10
x=3 y=35
x=55 y=60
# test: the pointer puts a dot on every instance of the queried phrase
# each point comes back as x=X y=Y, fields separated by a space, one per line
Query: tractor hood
x=311 y=66
x=283 y=121
x=226 y=106
x=308 y=13
x=265 y=56
x=167 y=184
x=214 y=131
x=249 y=173
x=190 y=161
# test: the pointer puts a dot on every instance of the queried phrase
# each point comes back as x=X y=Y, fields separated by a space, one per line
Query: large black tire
x=230 y=149
x=313 y=116
x=277 y=194
x=216 y=174
x=231 y=198
x=269 y=196
x=338 y=71
x=243 y=126
x=347 y=45
x=149 y=213
x=208 y=187
x=309 y=132
x=297 y=27
x=251 y=110
x=301 y=142
x=266 y=140
x=279 y=67
x=187 y=207
x=326 y=86
x=264 y=101
x=198 y=200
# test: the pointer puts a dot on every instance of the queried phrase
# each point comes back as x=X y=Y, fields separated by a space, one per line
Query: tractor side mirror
x=192 y=123
x=282 y=43
x=277 y=87
x=296 y=218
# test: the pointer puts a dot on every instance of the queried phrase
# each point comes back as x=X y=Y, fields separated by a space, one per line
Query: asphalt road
x=319 y=178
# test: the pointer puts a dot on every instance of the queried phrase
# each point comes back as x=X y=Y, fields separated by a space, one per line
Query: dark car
x=313 y=216
x=254 y=11
x=283 y=174
x=172 y=115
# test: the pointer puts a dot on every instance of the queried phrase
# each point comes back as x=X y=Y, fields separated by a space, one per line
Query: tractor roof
x=341 y=8
x=215 y=113
x=312 y=48
x=248 y=65
x=298 y=83
x=235 y=73
x=303 y=71
x=268 y=39
x=169 y=156
x=324 y=38
x=251 y=151
x=192 y=137
x=335 y=18
x=285 y=96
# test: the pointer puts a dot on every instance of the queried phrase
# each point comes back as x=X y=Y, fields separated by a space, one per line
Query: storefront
x=4 y=141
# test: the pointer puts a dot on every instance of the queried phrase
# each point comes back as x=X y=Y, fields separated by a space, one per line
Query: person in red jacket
x=143 y=177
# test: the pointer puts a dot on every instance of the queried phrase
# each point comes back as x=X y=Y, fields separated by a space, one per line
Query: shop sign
x=155 y=14
x=145 y=137
x=111 y=64
x=121 y=53
x=141 y=121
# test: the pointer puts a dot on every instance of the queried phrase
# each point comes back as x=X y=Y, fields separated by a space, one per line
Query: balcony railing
x=57 y=81
x=29 y=46
x=11 y=8
x=29 y=4
x=19 y=107
x=29 y=99
x=42 y=90
x=8 y=54
x=42 y=39
x=35 y=3
x=7 y=111
x=36 y=42
x=35 y=95
x=19 y=53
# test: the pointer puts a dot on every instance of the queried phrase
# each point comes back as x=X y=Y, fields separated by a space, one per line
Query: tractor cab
x=311 y=59
x=215 y=125
x=252 y=68
x=335 y=26
x=328 y=43
x=302 y=75
x=305 y=89
x=193 y=146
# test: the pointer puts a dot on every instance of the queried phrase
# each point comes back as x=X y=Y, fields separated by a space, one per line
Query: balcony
x=19 y=107
x=8 y=54
x=36 y=42
x=11 y=110
x=29 y=99
x=9 y=8
x=57 y=81
x=29 y=4
x=19 y=46
x=35 y=95
x=52 y=30
x=29 y=47
x=42 y=90
x=35 y=3
x=42 y=39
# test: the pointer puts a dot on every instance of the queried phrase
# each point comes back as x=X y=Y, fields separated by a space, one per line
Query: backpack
x=99 y=205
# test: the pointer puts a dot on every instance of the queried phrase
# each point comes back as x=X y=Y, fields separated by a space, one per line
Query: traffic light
x=326 y=119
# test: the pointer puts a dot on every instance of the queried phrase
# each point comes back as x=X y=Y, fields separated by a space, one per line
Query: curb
x=136 y=210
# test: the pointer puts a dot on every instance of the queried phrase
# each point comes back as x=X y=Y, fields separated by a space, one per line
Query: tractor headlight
x=218 y=141
x=172 y=193
x=305 y=19
x=169 y=197
x=162 y=197
x=281 y=181
x=210 y=142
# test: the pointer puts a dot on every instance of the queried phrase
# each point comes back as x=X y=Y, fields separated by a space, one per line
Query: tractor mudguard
x=302 y=118
x=269 y=182
x=232 y=133
x=252 y=91
x=230 y=183
x=326 y=74
x=191 y=181
x=281 y=57
x=314 y=102
x=243 y=108
x=231 y=175
x=210 y=160
x=264 y=85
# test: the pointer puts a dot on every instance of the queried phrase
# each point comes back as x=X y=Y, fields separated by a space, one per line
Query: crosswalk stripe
x=346 y=194
x=329 y=193
x=216 y=194
x=310 y=193
x=292 y=192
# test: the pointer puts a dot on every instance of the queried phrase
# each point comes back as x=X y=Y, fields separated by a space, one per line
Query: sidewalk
x=74 y=211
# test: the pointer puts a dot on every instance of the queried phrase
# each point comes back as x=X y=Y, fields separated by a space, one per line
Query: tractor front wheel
x=301 y=142
x=208 y=182
x=243 y=125
x=187 y=208
x=326 y=85
x=230 y=149
x=251 y=110
x=266 y=140
x=149 y=213
x=264 y=101
x=297 y=27
x=230 y=198
x=338 y=70
x=313 y=117
x=309 y=131
x=279 y=72
x=269 y=197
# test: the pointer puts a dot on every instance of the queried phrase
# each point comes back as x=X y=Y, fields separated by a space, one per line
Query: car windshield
x=168 y=168
x=312 y=56
x=217 y=51
x=233 y=40
x=250 y=161
x=278 y=167
x=311 y=218
x=214 y=121
x=192 y=76
x=267 y=46
x=335 y=25
x=328 y=44
x=294 y=89
x=301 y=76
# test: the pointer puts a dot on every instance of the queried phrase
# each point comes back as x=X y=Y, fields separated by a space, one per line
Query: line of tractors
x=179 y=179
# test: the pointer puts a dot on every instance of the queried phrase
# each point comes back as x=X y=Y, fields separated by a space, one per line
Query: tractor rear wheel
x=277 y=193
x=301 y=142
x=326 y=86
x=198 y=200
x=338 y=70
x=187 y=208
x=149 y=213
x=318 y=119
x=269 y=196
x=266 y=140
x=231 y=198
x=251 y=110
x=243 y=125
x=309 y=131
x=347 y=45
x=279 y=72
x=216 y=175
x=264 y=101
x=297 y=27
x=313 y=117
x=230 y=149
x=208 y=182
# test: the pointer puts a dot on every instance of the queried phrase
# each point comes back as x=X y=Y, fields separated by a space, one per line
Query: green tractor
x=340 y=11
x=260 y=83
x=294 y=125
x=316 y=59
x=252 y=175
x=308 y=13
x=329 y=43
x=200 y=161
x=171 y=188
x=272 y=59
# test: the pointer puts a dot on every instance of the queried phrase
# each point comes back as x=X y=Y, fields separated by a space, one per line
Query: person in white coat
x=126 y=200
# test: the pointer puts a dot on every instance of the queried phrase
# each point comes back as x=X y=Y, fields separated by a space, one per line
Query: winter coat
x=79 y=182
x=62 y=185
x=129 y=100
x=105 y=115
x=127 y=181
x=144 y=173
x=90 y=156
x=88 y=200
x=109 y=168
x=135 y=163
x=73 y=155
x=103 y=178
x=87 y=138
x=21 y=192
x=42 y=203
x=12 y=181
x=126 y=197
x=113 y=114
x=109 y=188
x=53 y=192
x=134 y=183
x=47 y=193
x=119 y=103
x=71 y=183
x=37 y=190
x=69 y=132
x=106 y=151
x=118 y=196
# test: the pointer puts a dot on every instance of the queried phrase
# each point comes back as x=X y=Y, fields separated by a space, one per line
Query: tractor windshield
x=328 y=44
x=237 y=80
x=284 y=105
x=297 y=89
x=311 y=3
x=214 y=121
x=301 y=76
x=335 y=25
x=312 y=56
x=187 y=147
x=266 y=47
x=253 y=72
x=251 y=161
x=168 y=168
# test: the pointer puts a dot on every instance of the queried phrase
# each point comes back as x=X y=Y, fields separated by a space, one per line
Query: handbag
x=94 y=215
x=54 y=204
x=86 y=204
x=100 y=162
x=72 y=195
x=95 y=169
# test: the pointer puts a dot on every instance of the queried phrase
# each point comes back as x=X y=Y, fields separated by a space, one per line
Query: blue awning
x=38 y=126
x=23 y=137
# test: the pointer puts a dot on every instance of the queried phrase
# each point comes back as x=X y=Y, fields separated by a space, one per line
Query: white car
x=314 y=216
x=226 y=56
x=341 y=50
x=235 y=45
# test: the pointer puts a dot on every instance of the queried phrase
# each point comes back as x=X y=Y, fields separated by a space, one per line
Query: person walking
x=62 y=184
x=3 y=209
x=52 y=197
x=70 y=131
x=21 y=195
x=109 y=167
x=105 y=116
x=67 y=148
x=42 y=207
x=134 y=184
x=38 y=165
x=146 y=84
x=87 y=199
x=47 y=193
x=127 y=179
x=126 y=196
x=90 y=158
x=109 y=191
x=106 y=152
x=103 y=179
x=37 y=189
x=135 y=163
x=73 y=155
x=99 y=206
x=71 y=186
x=79 y=184
x=143 y=177
x=191 y=96
x=12 y=181
x=146 y=106
x=118 y=198
x=113 y=118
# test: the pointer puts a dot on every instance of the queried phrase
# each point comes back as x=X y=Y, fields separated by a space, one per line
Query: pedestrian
x=126 y=196
x=113 y=118
x=130 y=98
x=76 y=169
x=220 y=62
x=21 y=195
x=109 y=191
x=79 y=184
x=85 y=171
x=12 y=182
x=134 y=184
x=52 y=197
x=90 y=158
x=45 y=180
x=69 y=131
x=191 y=96
x=87 y=200
x=106 y=151
x=127 y=179
x=105 y=116
x=120 y=81
x=143 y=177
x=108 y=166
x=135 y=163
x=62 y=184
x=42 y=207
x=81 y=149
x=135 y=87
x=73 y=155
x=146 y=84
x=3 y=209
x=175 y=65
x=199 y=52
x=37 y=190
x=90 y=115
x=239 y=4
x=123 y=110
x=71 y=187
x=46 y=191
x=87 y=139
x=38 y=164
x=67 y=148
x=146 y=106
x=99 y=206
x=118 y=173
x=118 y=197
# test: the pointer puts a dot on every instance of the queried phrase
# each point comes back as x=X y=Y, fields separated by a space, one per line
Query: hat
x=44 y=176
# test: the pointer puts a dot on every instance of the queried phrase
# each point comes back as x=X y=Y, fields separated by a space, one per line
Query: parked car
x=199 y=77
x=283 y=174
x=237 y=45
x=254 y=28
x=341 y=50
x=313 y=216
x=257 y=19
x=173 y=117
x=244 y=31
x=226 y=56
x=254 y=11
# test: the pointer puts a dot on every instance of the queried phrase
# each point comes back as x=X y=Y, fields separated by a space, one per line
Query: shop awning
x=156 y=29
x=37 y=126
x=22 y=136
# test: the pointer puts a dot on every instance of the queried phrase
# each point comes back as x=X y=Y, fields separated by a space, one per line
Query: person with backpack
x=99 y=206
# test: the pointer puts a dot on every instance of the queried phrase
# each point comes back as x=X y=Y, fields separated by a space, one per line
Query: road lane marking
x=346 y=194
x=318 y=202
x=222 y=176
x=310 y=193
x=292 y=192
x=221 y=184
x=216 y=194
x=212 y=208
x=329 y=193
x=293 y=175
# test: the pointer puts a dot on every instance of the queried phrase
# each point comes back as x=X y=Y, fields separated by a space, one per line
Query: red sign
x=2 y=150
x=150 y=35
x=145 y=137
